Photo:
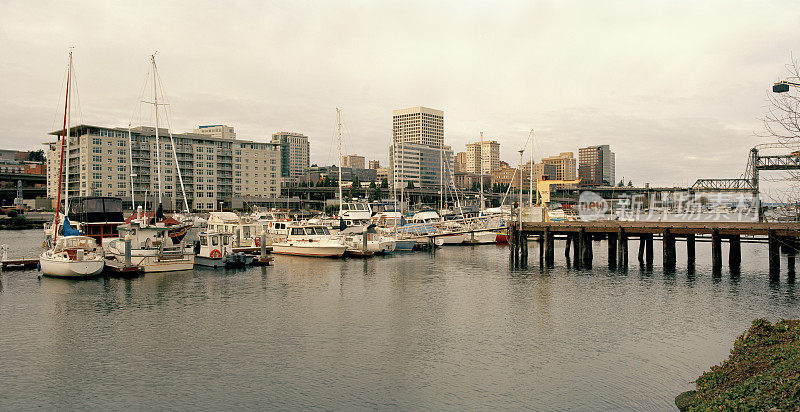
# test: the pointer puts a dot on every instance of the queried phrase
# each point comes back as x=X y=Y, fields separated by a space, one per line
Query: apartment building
x=596 y=166
x=213 y=169
x=483 y=157
x=295 y=156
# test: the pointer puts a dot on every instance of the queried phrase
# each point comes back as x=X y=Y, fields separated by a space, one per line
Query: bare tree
x=782 y=121
x=782 y=126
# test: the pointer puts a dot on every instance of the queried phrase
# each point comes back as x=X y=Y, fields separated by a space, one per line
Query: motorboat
x=152 y=249
x=216 y=250
x=72 y=257
x=364 y=240
x=246 y=230
x=309 y=240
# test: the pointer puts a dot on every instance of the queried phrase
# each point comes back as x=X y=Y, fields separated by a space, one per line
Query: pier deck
x=579 y=236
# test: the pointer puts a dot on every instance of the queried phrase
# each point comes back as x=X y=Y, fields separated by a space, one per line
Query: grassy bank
x=763 y=372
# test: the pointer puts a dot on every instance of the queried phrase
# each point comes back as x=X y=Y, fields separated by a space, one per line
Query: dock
x=11 y=264
x=579 y=236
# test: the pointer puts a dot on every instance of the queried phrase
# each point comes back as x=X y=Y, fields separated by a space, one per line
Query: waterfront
x=456 y=329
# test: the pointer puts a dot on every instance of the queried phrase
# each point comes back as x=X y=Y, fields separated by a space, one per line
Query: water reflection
x=453 y=329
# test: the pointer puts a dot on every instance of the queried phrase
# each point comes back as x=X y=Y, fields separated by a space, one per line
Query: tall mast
x=402 y=170
x=481 y=174
x=339 y=128
x=174 y=152
x=530 y=191
x=130 y=164
x=61 y=159
x=519 y=205
x=69 y=134
x=158 y=143
x=441 y=175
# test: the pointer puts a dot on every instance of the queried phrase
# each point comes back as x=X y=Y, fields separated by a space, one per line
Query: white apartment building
x=213 y=169
x=483 y=158
x=295 y=156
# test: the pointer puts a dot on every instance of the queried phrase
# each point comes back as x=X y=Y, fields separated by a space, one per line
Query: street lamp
x=783 y=86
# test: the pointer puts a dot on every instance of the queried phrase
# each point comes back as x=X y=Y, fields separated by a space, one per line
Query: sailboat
x=153 y=246
x=70 y=255
x=360 y=238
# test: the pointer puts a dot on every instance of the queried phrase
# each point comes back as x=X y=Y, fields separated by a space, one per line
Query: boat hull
x=304 y=250
x=481 y=238
x=404 y=245
x=70 y=269
x=449 y=240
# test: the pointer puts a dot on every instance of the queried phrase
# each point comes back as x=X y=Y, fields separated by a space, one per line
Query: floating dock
x=11 y=264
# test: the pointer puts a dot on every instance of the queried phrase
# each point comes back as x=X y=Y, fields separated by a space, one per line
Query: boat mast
x=130 y=164
x=530 y=191
x=158 y=143
x=481 y=175
x=172 y=143
x=61 y=159
x=69 y=134
x=339 y=128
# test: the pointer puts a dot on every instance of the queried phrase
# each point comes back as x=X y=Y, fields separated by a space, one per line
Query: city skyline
x=676 y=91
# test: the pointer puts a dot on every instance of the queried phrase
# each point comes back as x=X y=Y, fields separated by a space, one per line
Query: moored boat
x=309 y=240
x=72 y=257
x=216 y=250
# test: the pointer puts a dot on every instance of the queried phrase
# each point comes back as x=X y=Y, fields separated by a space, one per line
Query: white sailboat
x=72 y=256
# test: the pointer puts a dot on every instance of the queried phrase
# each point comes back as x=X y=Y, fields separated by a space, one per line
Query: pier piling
x=612 y=251
x=690 y=252
x=622 y=250
x=669 y=250
x=774 y=256
x=648 y=252
x=716 y=251
x=549 y=249
x=735 y=252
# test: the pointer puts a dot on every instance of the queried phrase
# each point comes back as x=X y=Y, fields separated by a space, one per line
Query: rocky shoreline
x=762 y=373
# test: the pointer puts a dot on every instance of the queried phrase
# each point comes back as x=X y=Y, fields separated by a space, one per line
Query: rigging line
x=167 y=114
x=138 y=103
x=77 y=95
x=57 y=113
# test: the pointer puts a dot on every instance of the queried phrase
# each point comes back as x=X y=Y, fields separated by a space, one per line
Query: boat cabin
x=214 y=245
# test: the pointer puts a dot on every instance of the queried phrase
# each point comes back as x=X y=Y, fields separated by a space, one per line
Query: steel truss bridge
x=755 y=164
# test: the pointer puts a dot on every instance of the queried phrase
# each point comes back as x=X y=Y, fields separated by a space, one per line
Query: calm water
x=452 y=330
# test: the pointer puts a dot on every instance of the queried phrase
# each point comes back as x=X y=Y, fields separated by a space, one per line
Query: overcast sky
x=676 y=88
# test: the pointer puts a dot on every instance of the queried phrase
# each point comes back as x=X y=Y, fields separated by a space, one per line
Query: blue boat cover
x=67 y=230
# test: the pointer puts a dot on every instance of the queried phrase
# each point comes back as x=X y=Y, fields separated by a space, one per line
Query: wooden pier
x=10 y=264
x=579 y=236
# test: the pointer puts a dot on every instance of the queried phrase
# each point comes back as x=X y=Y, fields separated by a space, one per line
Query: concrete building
x=461 y=162
x=353 y=161
x=419 y=125
x=420 y=164
x=466 y=180
x=418 y=153
x=564 y=167
x=383 y=173
x=596 y=166
x=374 y=164
x=220 y=131
x=483 y=157
x=214 y=169
x=295 y=156
x=365 y=176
